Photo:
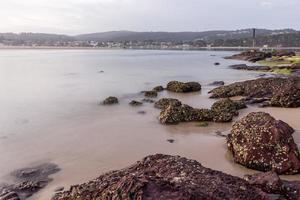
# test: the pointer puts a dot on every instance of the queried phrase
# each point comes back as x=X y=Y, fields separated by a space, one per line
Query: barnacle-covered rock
x=181 y=87
x=260 y=142
x=110 y=101
x=165 y=102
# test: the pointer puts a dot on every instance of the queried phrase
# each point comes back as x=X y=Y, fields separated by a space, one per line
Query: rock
x=217 y=83
x=202 y=114
x=283 y=53
x=250 y=68
x=163 y=177
x=180 y=87
x=101 y=71
x=110 y=101
x=150 y=94
x=252 y=56
x=148 y=100
x=142 y=112
x=287 y=96
x=219 y=133
x=158 y=88
x=217 y=63
x=271 y=183
x=170 y=140
x=260 y=142
x=164 y=102
x=175 y=114
x=28 y=181
x=283 y=92
x=135 y=103
x=224 y=110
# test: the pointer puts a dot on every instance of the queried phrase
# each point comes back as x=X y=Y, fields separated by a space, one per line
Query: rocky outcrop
x=283 y=53
x=165 y=102
x=163 y=177
x=27 y=182
x=258 y=141
x=181 y=87
x=110 y=101
x=250 y=68
x=282 y=92
x=251 y=56
x=174 y=112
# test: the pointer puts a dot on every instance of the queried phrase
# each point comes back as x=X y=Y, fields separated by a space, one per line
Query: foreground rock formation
x=258 y=141
x=181 y=87
x=27 y=182
x=281 y=92
x=163 y=177
x=251 y=56
x=174 y=112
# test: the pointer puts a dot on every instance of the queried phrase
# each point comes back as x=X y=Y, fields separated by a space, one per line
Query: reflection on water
x=50 y=110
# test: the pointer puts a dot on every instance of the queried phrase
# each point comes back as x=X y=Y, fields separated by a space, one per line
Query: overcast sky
x=84 y=16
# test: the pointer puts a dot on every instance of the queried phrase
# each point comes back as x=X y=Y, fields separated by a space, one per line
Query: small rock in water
x=150 y=94
x=158 y=88
x=142 y=112
x=135 y=103
x=148 y=100
x=217 y=63
x=217 y=83
x=170 y=140
x=101 y=71
x=219 y=133
x=110 y=101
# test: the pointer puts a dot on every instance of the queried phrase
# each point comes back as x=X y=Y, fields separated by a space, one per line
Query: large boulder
x=258 y=141
x=165 y=102
x=110 y=101
x=164 y=177
x=181 y=87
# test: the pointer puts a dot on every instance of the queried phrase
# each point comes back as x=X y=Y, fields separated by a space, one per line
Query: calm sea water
x=50 y=112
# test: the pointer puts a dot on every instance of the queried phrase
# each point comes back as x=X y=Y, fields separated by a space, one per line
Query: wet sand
x=119 y=136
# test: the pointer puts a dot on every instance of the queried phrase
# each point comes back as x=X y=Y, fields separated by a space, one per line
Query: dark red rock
x=258 y=141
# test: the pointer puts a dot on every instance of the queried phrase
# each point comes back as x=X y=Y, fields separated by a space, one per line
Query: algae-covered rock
x=175 y=114
x=260 y=142
x=181 y=87
x=225 y=109
x=135 y=103
x=164 y=102
x=110 y=101
x=150 y=94
x=158 y=88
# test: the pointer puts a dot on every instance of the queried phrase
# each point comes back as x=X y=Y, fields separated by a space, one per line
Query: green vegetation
x=284 y=71
x=275 y=61
x=202 y=124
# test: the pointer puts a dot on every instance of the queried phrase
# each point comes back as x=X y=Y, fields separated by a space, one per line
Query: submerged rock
x=284 y=92
x=27 y=181
x=165 y=102
x=181 y=87
x=217 y=83
x=150 y=94
x=216 y=63
x=110 y=101
x=158 y=88
x=148 y=100
x=135 y=103
x=163 y=177
x=260 y=142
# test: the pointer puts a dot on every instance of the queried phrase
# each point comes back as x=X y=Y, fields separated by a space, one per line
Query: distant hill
x=208 y=36
x=284 y=37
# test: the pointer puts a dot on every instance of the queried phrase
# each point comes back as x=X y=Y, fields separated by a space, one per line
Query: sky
x=85 y=16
